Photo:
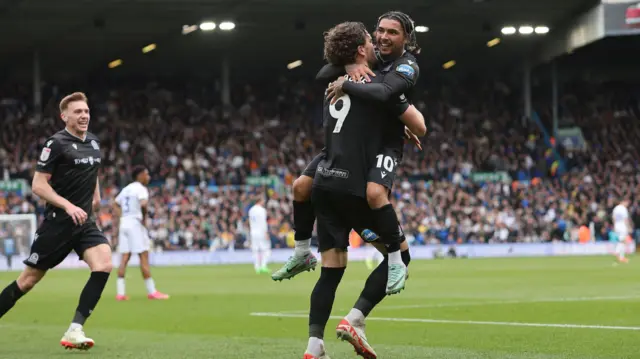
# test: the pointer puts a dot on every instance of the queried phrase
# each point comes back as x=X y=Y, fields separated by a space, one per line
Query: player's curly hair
x=341 y=42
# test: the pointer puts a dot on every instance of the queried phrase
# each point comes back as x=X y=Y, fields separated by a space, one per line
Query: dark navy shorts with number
x=385 y=165
x=55 y=239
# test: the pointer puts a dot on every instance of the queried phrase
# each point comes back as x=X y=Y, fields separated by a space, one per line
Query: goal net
x=17 y=232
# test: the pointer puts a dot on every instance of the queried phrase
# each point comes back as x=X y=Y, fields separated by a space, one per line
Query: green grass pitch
x=534 y=308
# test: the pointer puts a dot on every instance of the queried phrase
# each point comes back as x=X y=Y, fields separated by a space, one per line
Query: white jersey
x=620 y=219
x=258 y=221
x=129 y=200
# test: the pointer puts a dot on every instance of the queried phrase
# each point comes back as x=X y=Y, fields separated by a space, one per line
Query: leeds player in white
x=259 y=232
x=622 y=228
x=131 y=208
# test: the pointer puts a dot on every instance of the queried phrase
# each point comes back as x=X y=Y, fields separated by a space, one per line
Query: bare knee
x=99 y=258
x=334 y=258
x=29 y=278
x=377 y=195
x=302 y=188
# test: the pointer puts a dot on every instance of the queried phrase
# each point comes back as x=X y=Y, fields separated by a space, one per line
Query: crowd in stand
x=485 y=174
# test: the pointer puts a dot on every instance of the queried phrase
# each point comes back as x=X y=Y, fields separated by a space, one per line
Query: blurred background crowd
x=486 y=174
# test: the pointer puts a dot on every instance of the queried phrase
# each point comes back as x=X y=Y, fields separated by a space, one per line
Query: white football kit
x=620 y=219
x=132 y=237
x=258 y=228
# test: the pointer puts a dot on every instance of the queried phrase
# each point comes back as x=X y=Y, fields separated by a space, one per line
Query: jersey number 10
x=341 y=114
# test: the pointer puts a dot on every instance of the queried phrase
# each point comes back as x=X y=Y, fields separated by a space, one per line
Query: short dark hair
x=137 y=170
x=408 y=26
x=341 y=42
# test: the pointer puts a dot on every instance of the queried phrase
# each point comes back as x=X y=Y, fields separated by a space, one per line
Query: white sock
x=395 y=258
x=120 y=285
x=151 y=285
x=74 y=326
x=302 y=248
x=355 y=317
x=315 y=346
x=265 y=258
x=257 y=260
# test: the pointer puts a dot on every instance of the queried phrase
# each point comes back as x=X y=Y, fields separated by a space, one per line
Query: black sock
x=90 y=296
x=388 y=227
x=303 y=220
x=375 y=289
x=322 y=300
x=9 y=297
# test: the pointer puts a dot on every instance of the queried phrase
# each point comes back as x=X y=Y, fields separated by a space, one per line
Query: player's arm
x=398 y=81
x=409 y=115
x=47 y=163
x=96 y=197
x=143 y=197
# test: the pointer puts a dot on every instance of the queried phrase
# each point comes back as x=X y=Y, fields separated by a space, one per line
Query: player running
x=131 y=207
x=397 y=44
x=66 y=178
x=622 y=228
x=354 y=131
x=260 y=239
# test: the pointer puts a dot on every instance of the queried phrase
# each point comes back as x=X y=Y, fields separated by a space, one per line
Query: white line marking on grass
x=493 y=302
x=471 y=322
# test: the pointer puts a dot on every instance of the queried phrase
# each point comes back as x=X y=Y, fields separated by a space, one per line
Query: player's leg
x=352 y=327
x=333 y=238
x=120 y=282
x=257 y=255
x=384 y=215
x=303 y=220
x=266 y=255
x=13 y=292
x=621 y=247
x=94 y=249
x=52 y=245
x=149 y=283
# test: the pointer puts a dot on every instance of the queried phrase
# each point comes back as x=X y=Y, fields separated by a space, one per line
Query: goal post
x=17 y=233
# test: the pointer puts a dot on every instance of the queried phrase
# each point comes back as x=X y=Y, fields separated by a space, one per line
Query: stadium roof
x=79 y=37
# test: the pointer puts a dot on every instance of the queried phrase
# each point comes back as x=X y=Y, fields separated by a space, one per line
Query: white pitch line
x=494 y=302
x=471 y=322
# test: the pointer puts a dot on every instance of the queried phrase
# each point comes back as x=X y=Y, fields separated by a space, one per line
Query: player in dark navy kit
x=397 y=45
x=354 y=133
x=67 y=179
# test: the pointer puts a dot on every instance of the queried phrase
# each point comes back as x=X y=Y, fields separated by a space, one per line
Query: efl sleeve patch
x=406 y=70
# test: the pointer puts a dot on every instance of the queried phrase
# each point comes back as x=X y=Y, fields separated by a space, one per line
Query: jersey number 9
x=341 y=114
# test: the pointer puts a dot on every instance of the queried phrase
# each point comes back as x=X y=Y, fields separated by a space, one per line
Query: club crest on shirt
x=44 y=155
x=95 y=145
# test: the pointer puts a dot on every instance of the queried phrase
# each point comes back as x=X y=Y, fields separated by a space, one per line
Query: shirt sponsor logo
x=333 y=172
x=87 y=160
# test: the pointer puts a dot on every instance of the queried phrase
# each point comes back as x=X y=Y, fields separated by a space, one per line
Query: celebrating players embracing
x=131 y=206
x=397 y=45
x=67 y=179
x=354 y=133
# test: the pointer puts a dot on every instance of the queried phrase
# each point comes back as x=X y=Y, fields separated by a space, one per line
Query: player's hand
x=411 y=137
x=359 y=72
x=334 y=91
x=78 y=215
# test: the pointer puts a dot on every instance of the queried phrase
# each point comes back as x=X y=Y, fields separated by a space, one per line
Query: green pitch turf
x=534 y=308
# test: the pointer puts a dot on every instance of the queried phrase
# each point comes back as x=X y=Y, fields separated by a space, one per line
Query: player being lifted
x=397 y=43
x=259 y=231
x=66 y=178
x=354 y=133
x=131 y=207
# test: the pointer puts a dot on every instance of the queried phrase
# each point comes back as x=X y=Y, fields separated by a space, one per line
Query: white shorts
x=259 y=242
x=133 y=238
x=622 y=235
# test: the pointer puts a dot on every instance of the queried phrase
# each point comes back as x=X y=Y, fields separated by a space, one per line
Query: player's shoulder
x=56 y=138
x=407 y=65
x=92 y=137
